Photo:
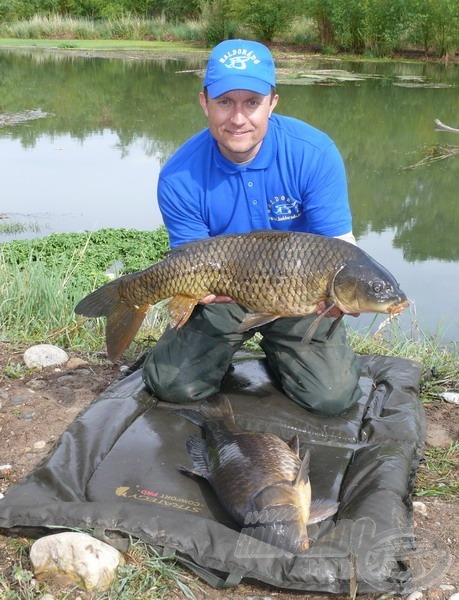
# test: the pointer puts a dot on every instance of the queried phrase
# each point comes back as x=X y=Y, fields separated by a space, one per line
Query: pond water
x=108 y=124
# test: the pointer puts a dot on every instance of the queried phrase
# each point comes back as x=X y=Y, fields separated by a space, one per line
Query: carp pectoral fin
x=197 y=450
x=256 y=320
x=189 y=471
x=321 y=510
x=303 y=472
x=180 y=309
x=314 y=325
x=294 y=444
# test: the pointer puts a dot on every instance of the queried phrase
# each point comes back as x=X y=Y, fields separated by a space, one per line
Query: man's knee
x=326 y=401
x=186 y=366
x=177 y=389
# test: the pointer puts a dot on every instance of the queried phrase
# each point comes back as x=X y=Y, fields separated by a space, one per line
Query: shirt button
x=254 y=201
x=250 y=184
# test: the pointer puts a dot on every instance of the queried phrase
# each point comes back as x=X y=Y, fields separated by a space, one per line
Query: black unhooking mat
x=115 y=468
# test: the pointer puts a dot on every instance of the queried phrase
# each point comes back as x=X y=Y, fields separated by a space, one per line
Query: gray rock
x=20 y=399
x=44 y=355
x=75 y=558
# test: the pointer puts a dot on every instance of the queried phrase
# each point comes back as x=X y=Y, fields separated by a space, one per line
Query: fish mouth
x=398 y=307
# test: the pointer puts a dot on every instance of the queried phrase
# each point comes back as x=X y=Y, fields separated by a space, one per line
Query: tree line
x=376 y=27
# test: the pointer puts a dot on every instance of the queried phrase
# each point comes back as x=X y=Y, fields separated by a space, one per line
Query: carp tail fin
x=123 y=318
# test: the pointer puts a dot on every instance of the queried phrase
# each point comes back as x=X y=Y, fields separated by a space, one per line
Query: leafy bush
x=265 y=18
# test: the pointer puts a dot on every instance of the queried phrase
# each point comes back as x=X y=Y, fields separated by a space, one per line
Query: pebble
x=454 y=596
x=36 y=384
x=75 y=363
x=447 y=587
x=44 y=355
x=420 y=507
x=28 y=416
x=20 y=399
x=451 y=397
x=39 y=445
x=415 y=595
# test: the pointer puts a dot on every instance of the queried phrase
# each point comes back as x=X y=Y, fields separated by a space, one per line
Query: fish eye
x=377 y=286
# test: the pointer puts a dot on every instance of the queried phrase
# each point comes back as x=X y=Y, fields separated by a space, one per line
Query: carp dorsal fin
x=217 y=407
x=321 y=510
x=303 y=472
x=180 y=309
x=294 y=444
x=315 y=324
x=256 y=320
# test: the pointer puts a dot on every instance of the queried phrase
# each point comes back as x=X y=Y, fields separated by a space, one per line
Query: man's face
x=238 y=120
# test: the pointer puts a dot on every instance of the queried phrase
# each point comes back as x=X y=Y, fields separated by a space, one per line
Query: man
x=252 y=169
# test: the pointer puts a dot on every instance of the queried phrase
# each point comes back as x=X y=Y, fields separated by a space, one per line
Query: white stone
x=454 y=596
x=451 y=397
x=420 y=507
x=415 y=596
x=75 y=558
x=44 y=355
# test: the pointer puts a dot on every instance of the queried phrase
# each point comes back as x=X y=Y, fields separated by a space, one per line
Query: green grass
x=438 y=476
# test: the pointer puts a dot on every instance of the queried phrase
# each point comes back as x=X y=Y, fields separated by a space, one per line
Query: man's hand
x=214 y=299
x=334 y=313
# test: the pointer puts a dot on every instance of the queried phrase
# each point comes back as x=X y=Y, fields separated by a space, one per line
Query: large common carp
x=271 y=273
x=258 y=478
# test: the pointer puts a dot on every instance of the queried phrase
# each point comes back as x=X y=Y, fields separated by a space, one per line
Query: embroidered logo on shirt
x=283 y=208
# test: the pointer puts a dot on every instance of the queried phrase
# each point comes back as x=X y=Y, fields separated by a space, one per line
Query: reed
x=122 y=28
x=15 y=227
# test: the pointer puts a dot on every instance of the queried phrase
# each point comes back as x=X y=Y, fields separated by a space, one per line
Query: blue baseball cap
x=240 y=65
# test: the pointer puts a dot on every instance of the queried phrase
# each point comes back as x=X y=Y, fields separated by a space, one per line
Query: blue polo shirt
x=296 y=182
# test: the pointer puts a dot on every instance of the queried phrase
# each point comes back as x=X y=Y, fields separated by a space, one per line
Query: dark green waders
x=189 y=363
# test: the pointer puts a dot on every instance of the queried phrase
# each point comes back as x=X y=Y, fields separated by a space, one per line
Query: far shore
x=146 y=49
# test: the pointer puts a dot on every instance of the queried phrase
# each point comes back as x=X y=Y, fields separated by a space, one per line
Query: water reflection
x=94 y=161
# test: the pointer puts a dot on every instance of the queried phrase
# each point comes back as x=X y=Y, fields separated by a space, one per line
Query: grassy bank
x=88 y=44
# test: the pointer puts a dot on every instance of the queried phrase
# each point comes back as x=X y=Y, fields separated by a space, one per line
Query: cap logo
x=238 y=59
